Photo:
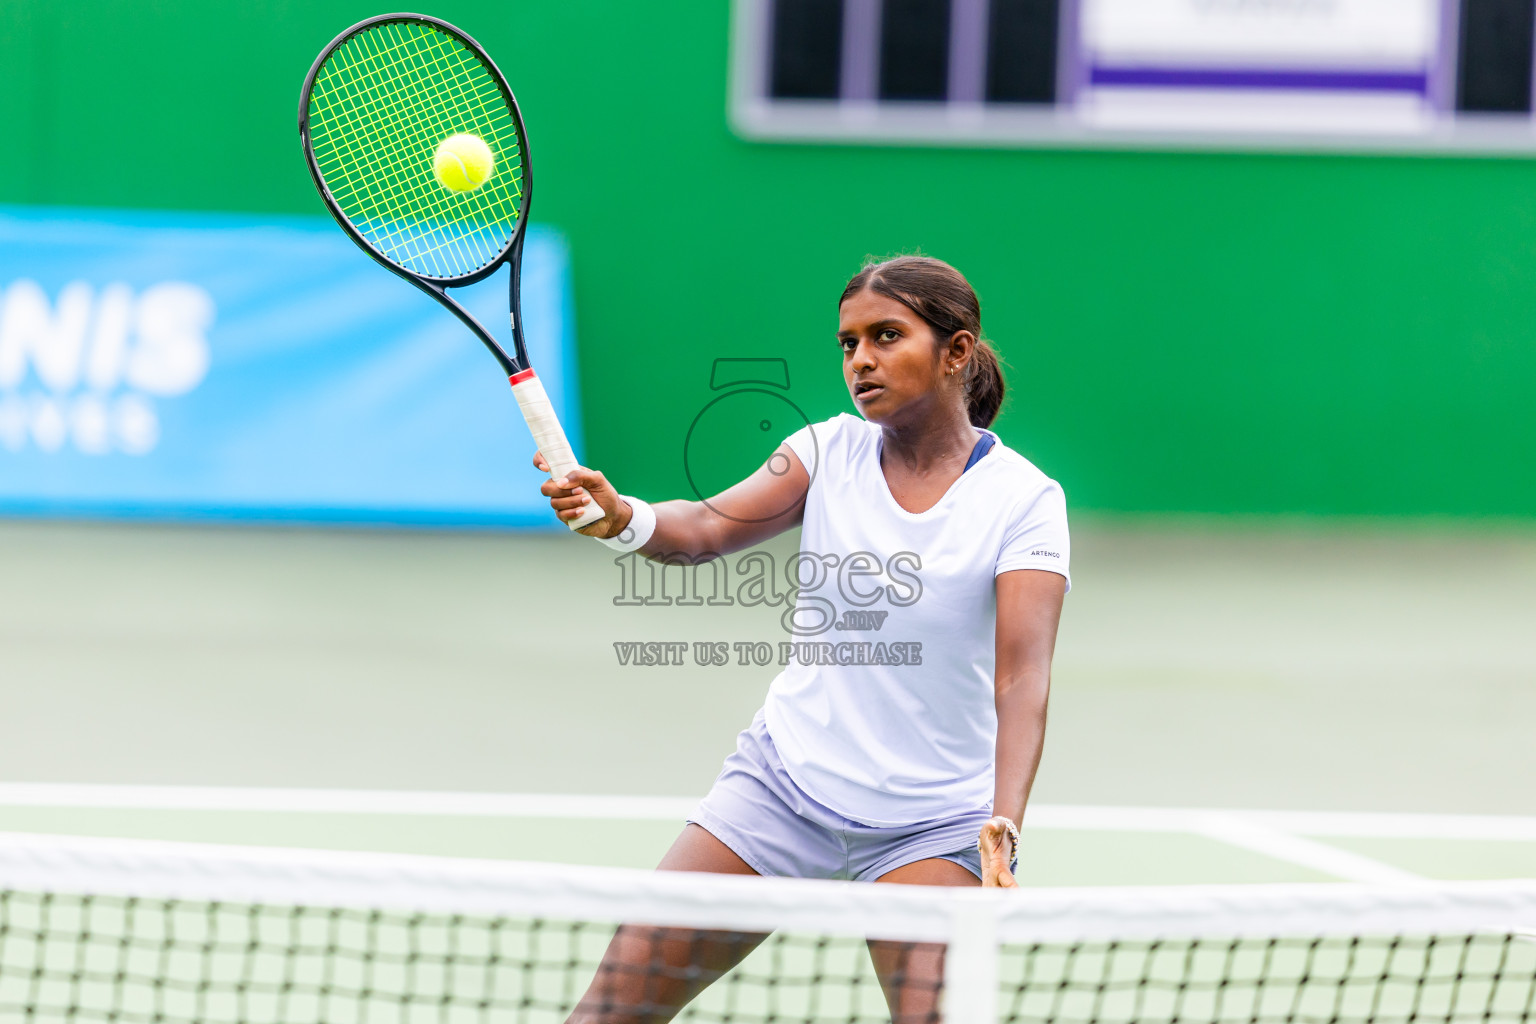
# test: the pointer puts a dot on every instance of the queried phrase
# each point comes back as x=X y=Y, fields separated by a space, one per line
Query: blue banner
x=207 y=366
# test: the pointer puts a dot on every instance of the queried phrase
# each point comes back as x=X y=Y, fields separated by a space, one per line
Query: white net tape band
x=191 y=871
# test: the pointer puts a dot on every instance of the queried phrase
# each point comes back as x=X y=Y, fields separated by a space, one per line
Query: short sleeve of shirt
x=810 y=441
x=1037 y=537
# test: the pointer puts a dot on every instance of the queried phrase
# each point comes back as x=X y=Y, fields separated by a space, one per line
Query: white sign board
x=1262 y=65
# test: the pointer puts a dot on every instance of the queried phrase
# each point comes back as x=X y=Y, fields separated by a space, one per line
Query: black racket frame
x=437 y=286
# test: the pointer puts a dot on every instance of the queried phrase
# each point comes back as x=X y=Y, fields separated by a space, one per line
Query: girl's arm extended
x=766 y=503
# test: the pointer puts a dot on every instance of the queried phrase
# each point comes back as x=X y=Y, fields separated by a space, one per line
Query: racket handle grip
x=550 y=437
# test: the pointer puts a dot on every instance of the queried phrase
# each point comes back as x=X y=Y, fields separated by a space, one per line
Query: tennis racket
x=377 y=104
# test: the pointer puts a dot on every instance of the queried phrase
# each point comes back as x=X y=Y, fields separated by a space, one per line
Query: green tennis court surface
x=202 y=684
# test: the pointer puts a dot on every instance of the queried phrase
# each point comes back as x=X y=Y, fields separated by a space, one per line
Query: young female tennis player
x=885 y=762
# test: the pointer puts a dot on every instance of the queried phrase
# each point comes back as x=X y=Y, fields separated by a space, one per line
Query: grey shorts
x=756 y=809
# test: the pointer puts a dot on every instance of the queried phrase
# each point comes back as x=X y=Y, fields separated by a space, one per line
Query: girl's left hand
x=996 y=847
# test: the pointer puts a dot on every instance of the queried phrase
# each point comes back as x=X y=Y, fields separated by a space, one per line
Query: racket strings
x=448 y=252
x=379 y=106
x=373 y=190
x=439 y=126
x=478 y=95
x=449 y=248
x=409 y=241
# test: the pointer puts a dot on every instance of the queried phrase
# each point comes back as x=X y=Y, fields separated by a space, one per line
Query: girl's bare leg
x=912 y=973
x=648 y=973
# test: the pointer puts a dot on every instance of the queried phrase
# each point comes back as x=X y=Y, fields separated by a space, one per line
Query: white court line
x=1276 y=834
x=669 y=808
x=1356 y=824
x=344 y=801
x=1235 y=830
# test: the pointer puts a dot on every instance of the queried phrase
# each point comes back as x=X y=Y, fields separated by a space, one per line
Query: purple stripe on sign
x=1246 y=78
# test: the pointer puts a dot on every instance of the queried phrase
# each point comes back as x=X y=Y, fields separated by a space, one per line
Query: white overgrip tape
x=539 y=413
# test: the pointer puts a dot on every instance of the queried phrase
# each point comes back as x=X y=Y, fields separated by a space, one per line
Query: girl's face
x=892 y=365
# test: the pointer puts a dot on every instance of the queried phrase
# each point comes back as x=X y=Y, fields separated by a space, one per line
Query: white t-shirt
x=885 y=710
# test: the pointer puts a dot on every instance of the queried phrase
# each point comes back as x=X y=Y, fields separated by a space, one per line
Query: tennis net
x=165 y=933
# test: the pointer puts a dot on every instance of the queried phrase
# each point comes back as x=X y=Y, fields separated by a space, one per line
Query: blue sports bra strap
x=982 y=447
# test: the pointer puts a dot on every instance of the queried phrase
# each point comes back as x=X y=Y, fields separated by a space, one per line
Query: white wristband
x=641 y=525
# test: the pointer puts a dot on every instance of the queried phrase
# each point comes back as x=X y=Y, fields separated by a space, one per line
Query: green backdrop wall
x=1185 y=332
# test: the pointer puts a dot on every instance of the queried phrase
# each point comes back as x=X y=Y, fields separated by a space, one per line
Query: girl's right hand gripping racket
x=378 y=103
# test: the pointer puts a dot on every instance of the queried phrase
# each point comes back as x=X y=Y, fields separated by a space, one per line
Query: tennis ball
x=463 y=163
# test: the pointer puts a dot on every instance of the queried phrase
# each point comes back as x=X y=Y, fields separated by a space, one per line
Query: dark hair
x=947 y=303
